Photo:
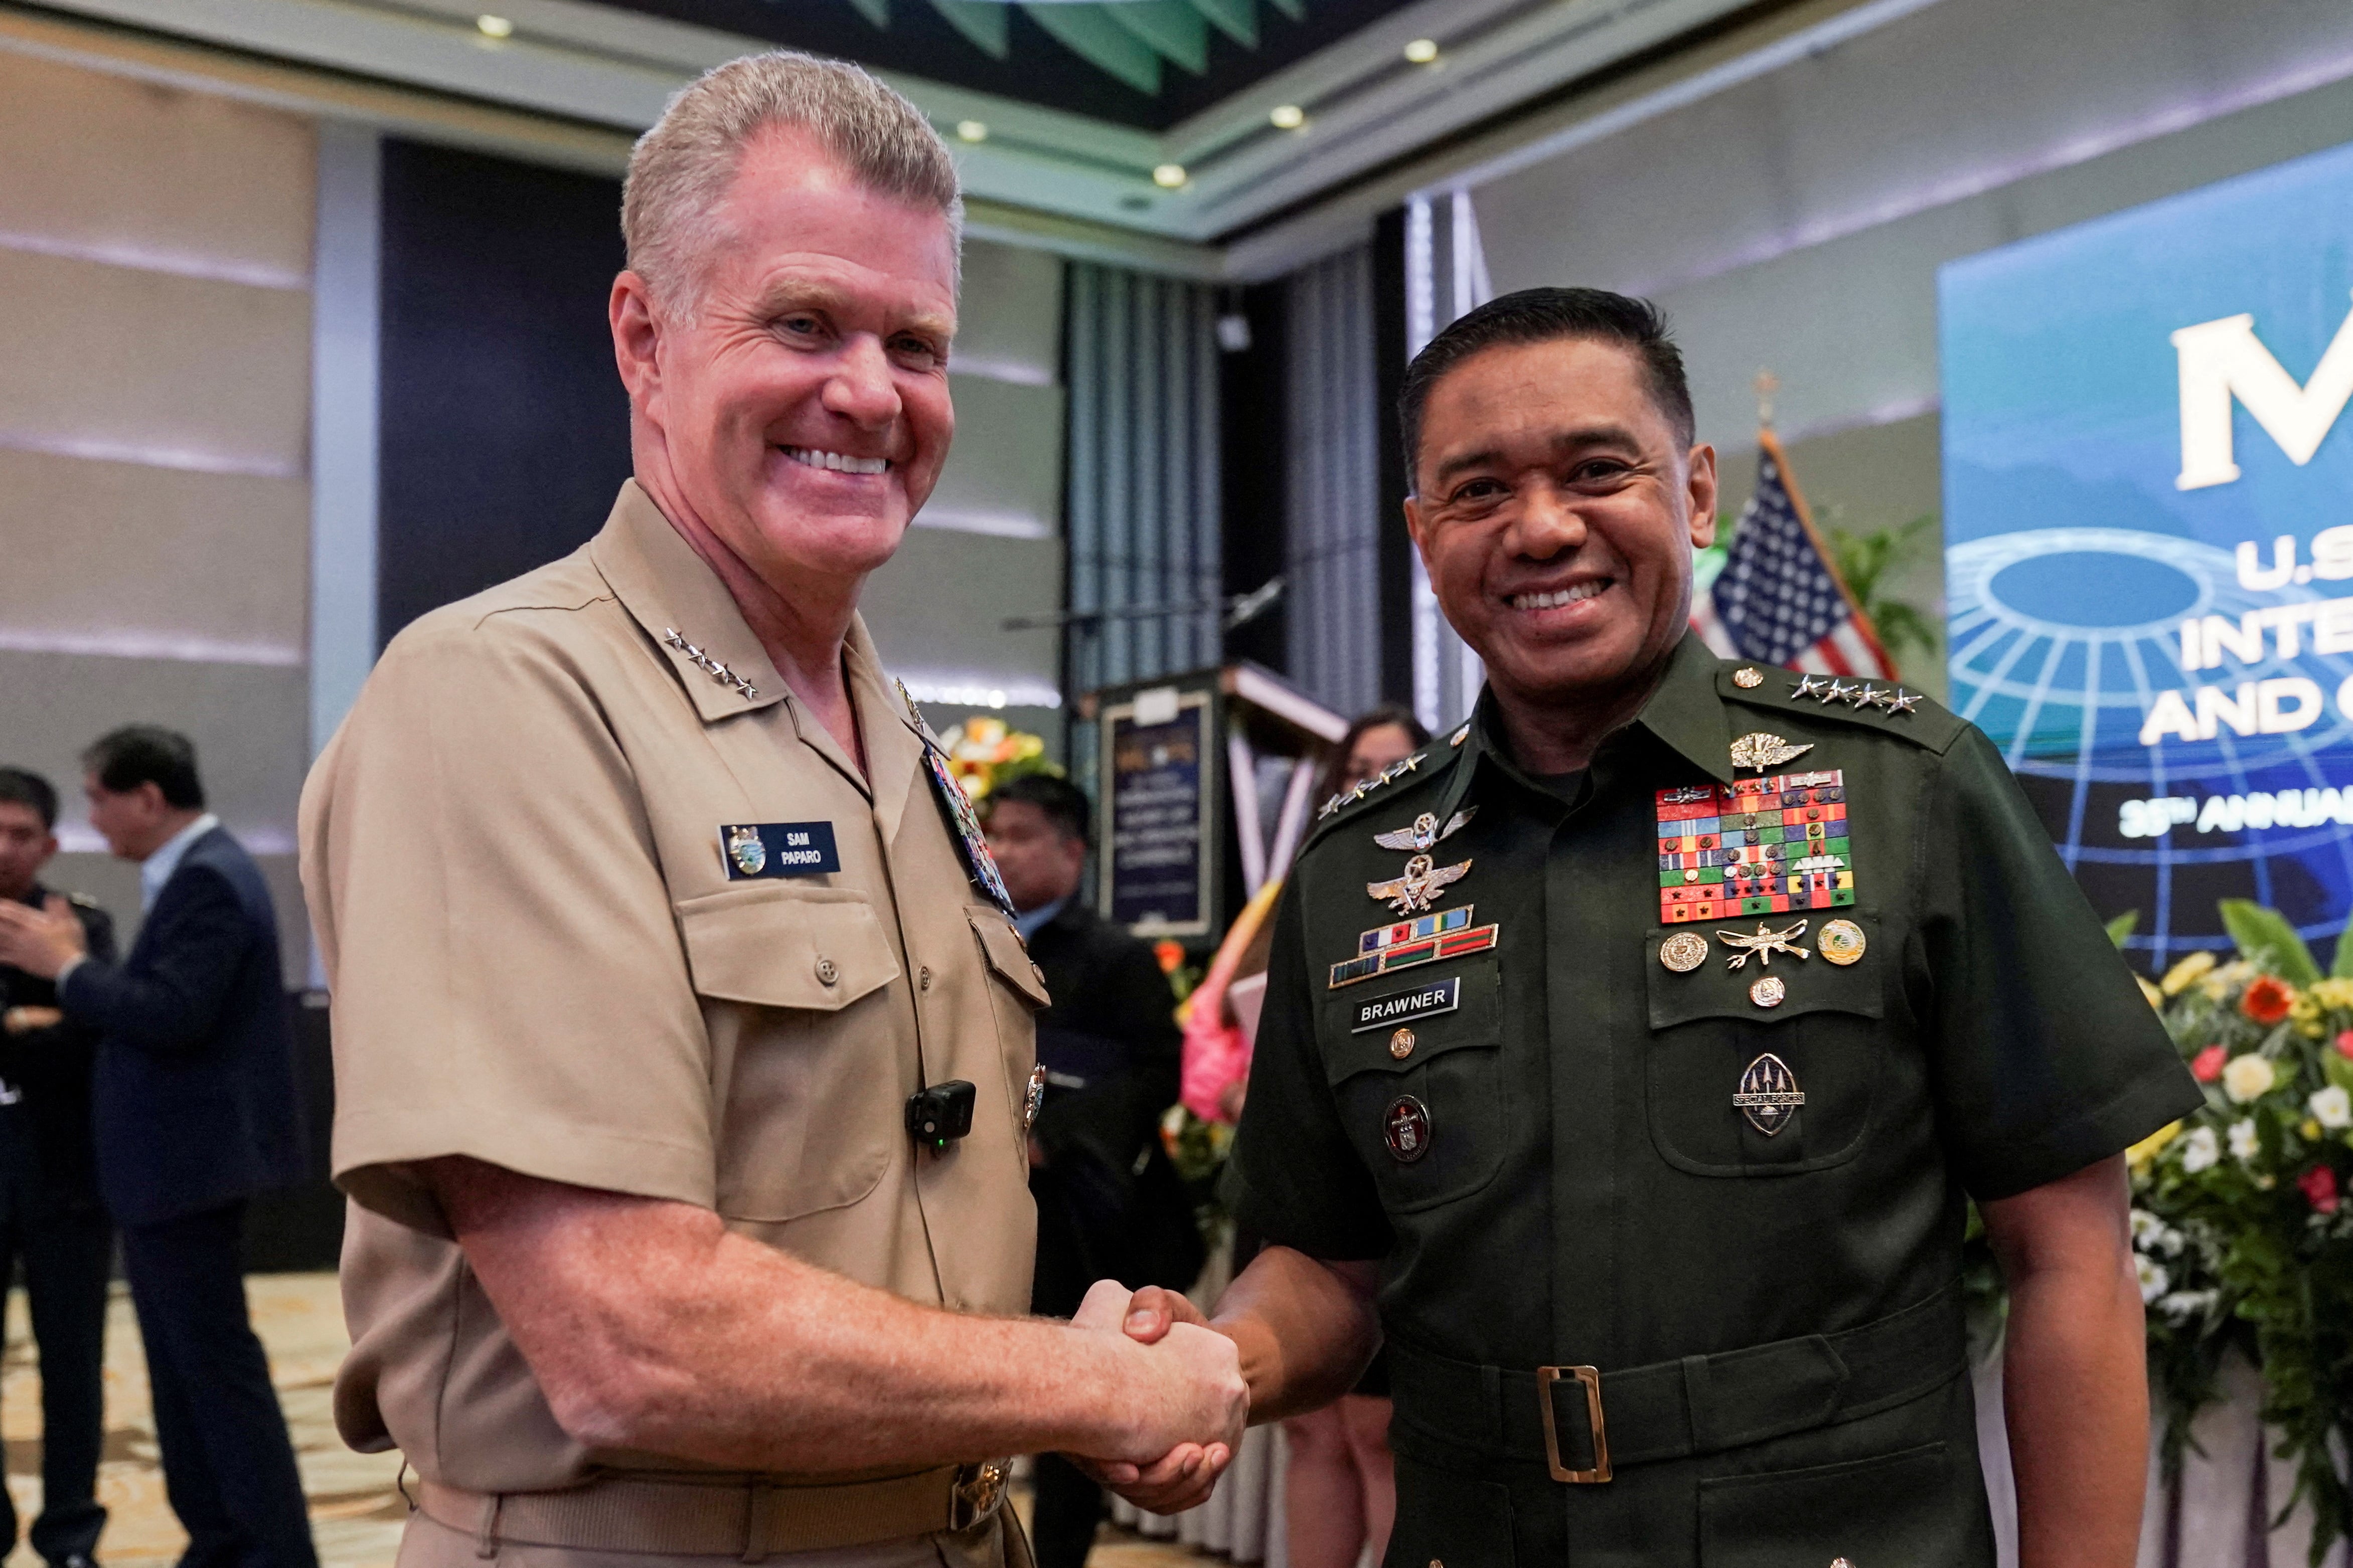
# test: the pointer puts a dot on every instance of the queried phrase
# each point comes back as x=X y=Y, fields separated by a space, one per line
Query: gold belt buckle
x=1590 y=1377
x=981 y=1490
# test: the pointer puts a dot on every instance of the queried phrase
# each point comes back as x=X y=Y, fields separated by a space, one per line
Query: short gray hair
x=682 y=168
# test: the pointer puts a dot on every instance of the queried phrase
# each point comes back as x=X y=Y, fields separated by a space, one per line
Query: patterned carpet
x=355 y=1511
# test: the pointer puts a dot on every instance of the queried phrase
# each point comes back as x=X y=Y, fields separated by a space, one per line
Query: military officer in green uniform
x=1628 y=1057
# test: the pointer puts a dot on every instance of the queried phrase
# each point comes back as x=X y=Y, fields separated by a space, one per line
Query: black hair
x=1543 y=316
x=20 y=788
x=1395 y=713
x=123 y=759
x=1064 y=803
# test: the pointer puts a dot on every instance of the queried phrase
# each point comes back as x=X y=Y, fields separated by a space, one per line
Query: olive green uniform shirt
x=1534 y=1130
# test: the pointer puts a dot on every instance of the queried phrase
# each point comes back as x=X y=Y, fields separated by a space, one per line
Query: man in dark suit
x=196 y=1112
x=50 y=1216
x=1108 y=1202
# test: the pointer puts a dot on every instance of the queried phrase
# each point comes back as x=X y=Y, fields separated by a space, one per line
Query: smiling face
x=798 y=409
x=1555 y=512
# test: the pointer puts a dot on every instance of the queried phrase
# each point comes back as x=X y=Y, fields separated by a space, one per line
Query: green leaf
x=2266 y=940
x=2122 y=927
x=2342 y=966
x=2336 y=1069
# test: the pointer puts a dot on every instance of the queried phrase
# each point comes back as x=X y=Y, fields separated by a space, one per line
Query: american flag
x=1779 y=599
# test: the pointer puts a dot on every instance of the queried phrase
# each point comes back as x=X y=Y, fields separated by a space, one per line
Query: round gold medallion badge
x=1401 y=1044
x=1841 y=941
x=1683 y=951
x=1769 y=992
x=1748 y=678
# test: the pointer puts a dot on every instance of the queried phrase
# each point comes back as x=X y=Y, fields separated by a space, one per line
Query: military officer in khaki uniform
x=682 y=1037
x=1628 y=1054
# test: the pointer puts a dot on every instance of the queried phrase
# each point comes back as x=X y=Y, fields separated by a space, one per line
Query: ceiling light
x=1422 y=51
x=971 y=131
x=1288 y=117
x=494 y=26
x=1168 y=176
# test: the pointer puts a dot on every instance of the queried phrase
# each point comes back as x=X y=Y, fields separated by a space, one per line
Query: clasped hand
x=1197 y=1390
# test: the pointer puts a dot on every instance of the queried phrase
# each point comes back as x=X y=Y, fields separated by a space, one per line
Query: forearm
x=2074 y=1369
x=648 y=1326
x=768 y=1362
x=1305 y=1330
x=2076 y=1394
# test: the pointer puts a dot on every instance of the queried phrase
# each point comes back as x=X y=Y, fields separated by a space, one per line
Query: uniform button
x=826 y=972
x=924 y=977
x=1401 y=1044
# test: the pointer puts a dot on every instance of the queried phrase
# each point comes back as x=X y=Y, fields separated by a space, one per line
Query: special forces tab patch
x=1755 y=846
x=757 y=849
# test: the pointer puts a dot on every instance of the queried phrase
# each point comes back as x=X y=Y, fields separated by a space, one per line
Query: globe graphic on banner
x=2148 y=554
x=2063 y=639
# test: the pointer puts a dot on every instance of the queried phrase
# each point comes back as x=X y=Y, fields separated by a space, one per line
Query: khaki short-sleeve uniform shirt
x=512 y=851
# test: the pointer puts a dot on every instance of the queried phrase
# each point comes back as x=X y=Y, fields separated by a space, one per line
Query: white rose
x=2332 y=1107
x=2245 y=1144
x=2200 y=1151
x=2248 y=1078
x=2153 y=1278
x=2145 y=1227
x=2170 y=1241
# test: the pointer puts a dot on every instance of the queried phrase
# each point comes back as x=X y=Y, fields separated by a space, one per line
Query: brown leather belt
x=729 y=1516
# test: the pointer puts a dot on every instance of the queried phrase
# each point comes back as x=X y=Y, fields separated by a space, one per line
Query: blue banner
x=2148 y=526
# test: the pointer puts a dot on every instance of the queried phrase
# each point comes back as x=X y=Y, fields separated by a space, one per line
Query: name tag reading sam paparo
x=755 y=850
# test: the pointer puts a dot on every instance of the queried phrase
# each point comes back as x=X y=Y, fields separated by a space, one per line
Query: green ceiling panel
x=1086 y=32
x=1295 y=9
x=981 y=21
x=1237 y=19
x=1171 y=26
x=875 y=11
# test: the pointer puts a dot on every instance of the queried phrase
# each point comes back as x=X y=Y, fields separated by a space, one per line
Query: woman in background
x=1341 y=1488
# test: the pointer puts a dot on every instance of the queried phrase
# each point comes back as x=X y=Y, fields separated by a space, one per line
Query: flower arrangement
x=984 y=751
x=2240 y=1234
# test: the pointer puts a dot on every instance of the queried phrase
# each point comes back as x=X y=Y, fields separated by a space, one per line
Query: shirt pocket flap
x=774 y=946
x=1003 y=947
x=1454 y=1009
x=1812 y=984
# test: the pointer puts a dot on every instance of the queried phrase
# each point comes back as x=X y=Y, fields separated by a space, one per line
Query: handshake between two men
x=1297 y=1331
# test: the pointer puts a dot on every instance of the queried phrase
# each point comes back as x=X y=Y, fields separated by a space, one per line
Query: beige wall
x=154 y=403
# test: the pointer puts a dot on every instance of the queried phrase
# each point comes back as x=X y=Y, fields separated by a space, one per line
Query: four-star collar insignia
x=1892 y=700
x=707 y=665
x=1395 y=770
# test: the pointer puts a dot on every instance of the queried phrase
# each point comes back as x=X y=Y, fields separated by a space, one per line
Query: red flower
x=2345 y=1045
x=1171 y=954
x=2267 y=999
x=2319 y=1185
x=2206 y=1065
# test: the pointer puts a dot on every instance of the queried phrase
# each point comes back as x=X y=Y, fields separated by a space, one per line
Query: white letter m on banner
x=2223 y=359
